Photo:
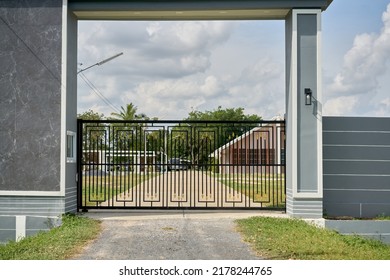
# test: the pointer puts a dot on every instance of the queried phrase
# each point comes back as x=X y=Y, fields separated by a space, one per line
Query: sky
x=171 y=68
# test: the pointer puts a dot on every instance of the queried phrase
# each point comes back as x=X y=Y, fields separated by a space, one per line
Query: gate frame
x=303 y=74
x=278 y=132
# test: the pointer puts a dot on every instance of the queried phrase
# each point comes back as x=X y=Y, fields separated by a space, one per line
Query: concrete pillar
x=304 y=122
x=69 y=106
x=30 y=106
x=38 y=85
x=38 y=55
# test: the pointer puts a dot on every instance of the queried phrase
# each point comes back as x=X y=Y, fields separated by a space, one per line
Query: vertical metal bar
x=99 y=168
x=79 y=158
x=272 y=165
x=140 y=189
x=87 y=167
x=191 y=188
x=133 y=169
x=93 y=173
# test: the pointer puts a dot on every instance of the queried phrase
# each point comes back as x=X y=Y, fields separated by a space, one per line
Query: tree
x=128 y=113
x=197 y=140
x=129 y=135
x=94 y=136
x=219 y=114
x=93 y=133
x=90 y=115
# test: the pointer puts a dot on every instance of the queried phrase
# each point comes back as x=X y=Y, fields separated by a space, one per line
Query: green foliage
x=219 y=114
x=214 y=165
x=91 y=115
x=276 y=238
x=97 y=136
x=128 y=113
x=196 y=141
x=57 y=244
x=124 y=133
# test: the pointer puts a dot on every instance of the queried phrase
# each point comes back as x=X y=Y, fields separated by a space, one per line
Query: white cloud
x=163 y=65
x=384 y=107
x=174 y=98
x=202 y=35
x=211 y=86
x=261 y=87
x=342 y=105
x=363 y=65
x=194 y=63
x=262 y=71
x=165 y=49
x=169 y=68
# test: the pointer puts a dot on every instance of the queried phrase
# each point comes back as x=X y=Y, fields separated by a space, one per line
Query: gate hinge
x=77 y=177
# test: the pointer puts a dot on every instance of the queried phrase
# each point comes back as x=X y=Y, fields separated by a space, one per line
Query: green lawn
x=282 y=239
x=59 y=243
x=98 y=189
x=270 y=190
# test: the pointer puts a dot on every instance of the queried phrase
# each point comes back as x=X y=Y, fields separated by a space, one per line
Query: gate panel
x=181 y=164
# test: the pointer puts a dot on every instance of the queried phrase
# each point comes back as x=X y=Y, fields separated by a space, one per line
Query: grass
x=282 y=239
x=270 y=195
x=59 y=243
x=98 y=189
x=383 y=217
x=266 y=188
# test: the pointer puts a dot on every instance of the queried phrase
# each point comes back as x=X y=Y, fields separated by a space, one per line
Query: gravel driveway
x=169 y=236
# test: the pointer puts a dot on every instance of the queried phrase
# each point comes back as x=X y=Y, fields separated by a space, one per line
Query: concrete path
x=179 y=235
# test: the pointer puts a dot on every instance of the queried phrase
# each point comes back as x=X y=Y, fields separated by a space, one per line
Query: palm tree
x=128 y=135
x=126 y=114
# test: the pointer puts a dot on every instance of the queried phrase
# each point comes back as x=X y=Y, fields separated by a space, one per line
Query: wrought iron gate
x=181 y=164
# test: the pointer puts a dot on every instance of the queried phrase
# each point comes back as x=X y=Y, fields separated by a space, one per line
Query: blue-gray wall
x=374 y=229
x=356 y=164
x=303 y=122
x=71 y=108
x=17 y=227
x=307 y=115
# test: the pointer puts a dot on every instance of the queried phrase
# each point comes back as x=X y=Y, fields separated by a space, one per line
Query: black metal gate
x=181 y=164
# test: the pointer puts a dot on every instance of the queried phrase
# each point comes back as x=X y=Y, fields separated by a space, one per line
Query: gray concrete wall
x=30 y=95
x=307 y=115
x=356 y=156
x=32 y=126
x=31 y=205
x=7 y=229
x=17 y=227
x=379 y=230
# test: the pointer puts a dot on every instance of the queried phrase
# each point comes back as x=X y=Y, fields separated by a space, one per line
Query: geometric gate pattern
x=181 y=164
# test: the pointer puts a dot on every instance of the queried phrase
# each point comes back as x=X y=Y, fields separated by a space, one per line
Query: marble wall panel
x=30 y=95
